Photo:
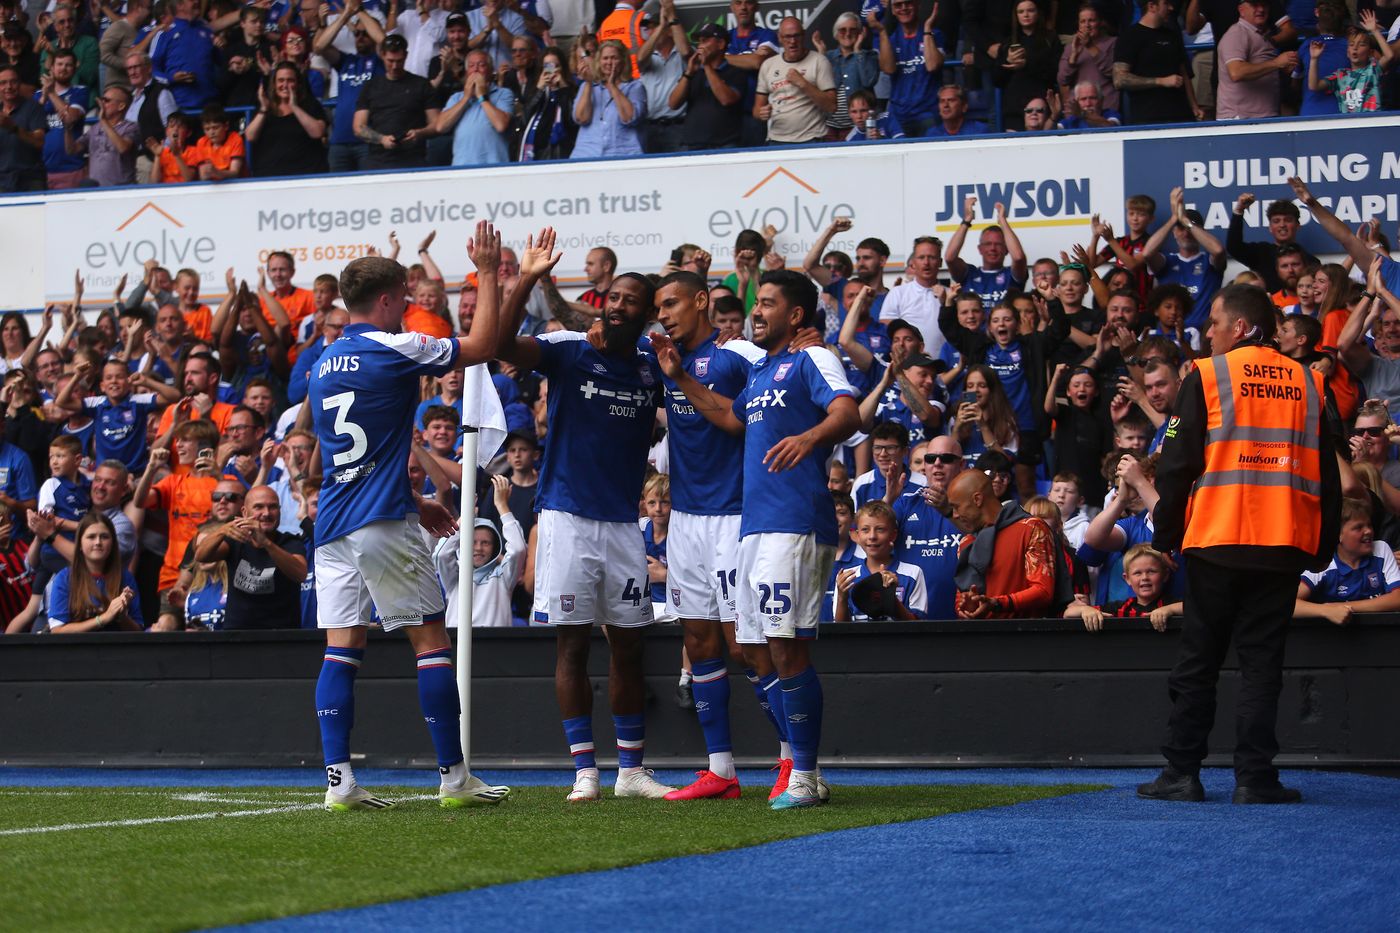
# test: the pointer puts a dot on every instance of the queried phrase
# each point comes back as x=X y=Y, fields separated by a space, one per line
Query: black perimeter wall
x=1041 y=693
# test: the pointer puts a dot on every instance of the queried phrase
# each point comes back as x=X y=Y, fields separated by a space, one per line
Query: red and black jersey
x=1132 y=609
x=594 y=298
x=15 y=579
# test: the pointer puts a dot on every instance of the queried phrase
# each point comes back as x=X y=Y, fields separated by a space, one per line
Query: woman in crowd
x=610 y=107
x=548 y=128
x=1026 y=65
x=294 y=47
x=1088 y=57
x=984 y=419
x=288 y=132
x=94 y=592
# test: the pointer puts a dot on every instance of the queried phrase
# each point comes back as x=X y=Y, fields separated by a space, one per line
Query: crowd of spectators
x=181 y=90
x=157 y=468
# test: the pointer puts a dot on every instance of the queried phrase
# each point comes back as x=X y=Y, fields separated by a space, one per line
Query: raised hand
x=667 y=356
x=538 y=257
x=484 y=249
x=970 y=208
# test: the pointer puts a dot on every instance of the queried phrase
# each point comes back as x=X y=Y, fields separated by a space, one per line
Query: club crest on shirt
x=129 y=416
x=566 y=603
x=702 y=367
x=676 y=598
x=781 y=372
x=645 y=372
x=1373 y=580
x=1015 y=356
x=4 y=476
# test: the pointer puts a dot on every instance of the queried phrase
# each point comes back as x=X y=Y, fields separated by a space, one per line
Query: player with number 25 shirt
x=370 y=553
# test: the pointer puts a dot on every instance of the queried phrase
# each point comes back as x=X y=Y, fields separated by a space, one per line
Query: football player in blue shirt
x=590 y=559
x=794 y=408
x=370 y=552
x=990 y=278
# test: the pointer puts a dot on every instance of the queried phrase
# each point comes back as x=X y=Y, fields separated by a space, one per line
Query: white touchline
x=147 y=821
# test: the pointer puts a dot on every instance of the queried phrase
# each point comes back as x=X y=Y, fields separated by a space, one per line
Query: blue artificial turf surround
x=1096 y=861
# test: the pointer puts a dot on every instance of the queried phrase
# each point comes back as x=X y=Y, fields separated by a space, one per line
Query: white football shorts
x=702 y=566
x=782 y=582
x=384 y=566
x=589 y=571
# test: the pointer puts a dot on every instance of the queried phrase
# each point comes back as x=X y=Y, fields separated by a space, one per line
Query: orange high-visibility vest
x=625 y=25
x=1262 y=484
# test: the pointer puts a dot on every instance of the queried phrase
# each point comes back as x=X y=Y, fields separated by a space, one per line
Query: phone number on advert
x=323 y=253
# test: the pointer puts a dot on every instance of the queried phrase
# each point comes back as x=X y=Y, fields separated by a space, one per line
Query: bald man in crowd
x=1007 y=559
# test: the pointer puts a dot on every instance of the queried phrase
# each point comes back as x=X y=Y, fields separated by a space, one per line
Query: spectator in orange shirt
x=199 y=320
x=220 y=154
x=185 y=495
x=297 y=302
x=200 y=386
x=428 y=313
x=175 y=159
x=1007 y=561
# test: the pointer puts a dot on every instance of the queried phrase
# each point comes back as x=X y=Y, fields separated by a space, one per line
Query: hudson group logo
x=151 y=232
x=782 y=198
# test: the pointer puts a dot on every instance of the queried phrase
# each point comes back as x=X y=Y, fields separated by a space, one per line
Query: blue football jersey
x=786 y=395
x=991 y=284
x=910 y=590
x=601 y=412
x=929 y=541
x=364 y=386
x=1371 y=577
x=1199 y=276
x=1009 y=365
x=707 y=464
x=121 y=428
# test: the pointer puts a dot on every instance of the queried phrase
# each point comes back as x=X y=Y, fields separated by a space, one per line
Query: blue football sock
x=437 y=695
x=773 y=692
x=578 y=732
x=631 y=735
x=711 y=689
x=335 y=701
x=802 y=704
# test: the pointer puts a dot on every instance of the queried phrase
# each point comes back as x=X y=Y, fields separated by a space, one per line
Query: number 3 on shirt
x=774 y=600
x=340 y=404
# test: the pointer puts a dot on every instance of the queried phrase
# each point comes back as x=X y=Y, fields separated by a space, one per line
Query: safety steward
x=624 y=24
x=1250 y=493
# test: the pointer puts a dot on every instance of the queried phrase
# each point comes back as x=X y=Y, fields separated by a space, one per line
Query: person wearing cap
x=712 y=91
x=447 y=70
x=16 y=51
x=663 y=59
x=493 y=27
x=1250 y=65
x=395 y=113
x=1198 y=263
x=908 y=395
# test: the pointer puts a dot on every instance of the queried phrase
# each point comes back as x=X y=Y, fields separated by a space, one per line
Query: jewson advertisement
x=1352 y=165
x=643 y=208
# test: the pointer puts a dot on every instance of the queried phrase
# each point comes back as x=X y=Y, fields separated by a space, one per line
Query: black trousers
x=1254 y=608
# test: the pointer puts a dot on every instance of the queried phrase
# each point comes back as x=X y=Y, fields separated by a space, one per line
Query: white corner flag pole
x=464 y=570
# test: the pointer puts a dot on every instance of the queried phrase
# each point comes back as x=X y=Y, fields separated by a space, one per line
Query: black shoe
x=1173 y=785
x=1275 y=793
x=685 y=699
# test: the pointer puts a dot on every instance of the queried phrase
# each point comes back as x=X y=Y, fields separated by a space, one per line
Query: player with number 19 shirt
x=590 y=558
x=370 y=553
x=794 y=408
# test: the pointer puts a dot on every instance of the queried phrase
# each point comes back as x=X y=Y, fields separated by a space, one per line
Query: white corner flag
x=484 y=431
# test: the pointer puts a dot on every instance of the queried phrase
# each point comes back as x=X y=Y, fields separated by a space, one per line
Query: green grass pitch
x=179 y=858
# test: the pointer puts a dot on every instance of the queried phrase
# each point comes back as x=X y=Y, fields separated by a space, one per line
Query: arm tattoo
x=564 y=311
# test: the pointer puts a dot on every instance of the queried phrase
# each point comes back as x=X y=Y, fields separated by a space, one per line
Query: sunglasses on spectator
x=942 y=458
x=226 y=497
x=1369 y=432
x=1035 y=110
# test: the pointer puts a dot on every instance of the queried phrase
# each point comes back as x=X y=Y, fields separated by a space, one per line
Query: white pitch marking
x=150 y=820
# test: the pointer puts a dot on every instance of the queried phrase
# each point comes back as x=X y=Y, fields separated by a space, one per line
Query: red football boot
x=707 y=784
x=784 y=773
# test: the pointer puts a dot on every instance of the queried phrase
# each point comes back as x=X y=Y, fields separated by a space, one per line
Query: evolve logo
x=150 y=233
x=783 y=200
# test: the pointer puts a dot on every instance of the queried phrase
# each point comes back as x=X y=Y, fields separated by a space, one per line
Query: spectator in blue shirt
x=331 y=325
x=952 y=112
x=1362 y=577
x=913 y=58
x=95 y=592
x=65 y=104
x=609 y=108
x=866 y=124
x=481 y=114
x=184 y=57
x=1088 y=110
x=347 y=152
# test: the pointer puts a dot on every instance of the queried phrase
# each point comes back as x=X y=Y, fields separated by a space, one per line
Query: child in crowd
x=1358 y=86
x=120 y=414
x=1082 y=427
x=656 y=503
x=848 y=552
x=1362 y=577
x=1298 y=337
x=1146 y=572
x=207 y=602
x=876 y=528
x=972 y=316
x=727 y=314
x=220 y=154
x=199 y=320
x=866 y=123
x=1049 y=512
x=1074 y=520
x=497 y=558
x=1126 y=251
x=176 y=160
x=67 y=495
x=1170 y=304
x=1126 y=520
